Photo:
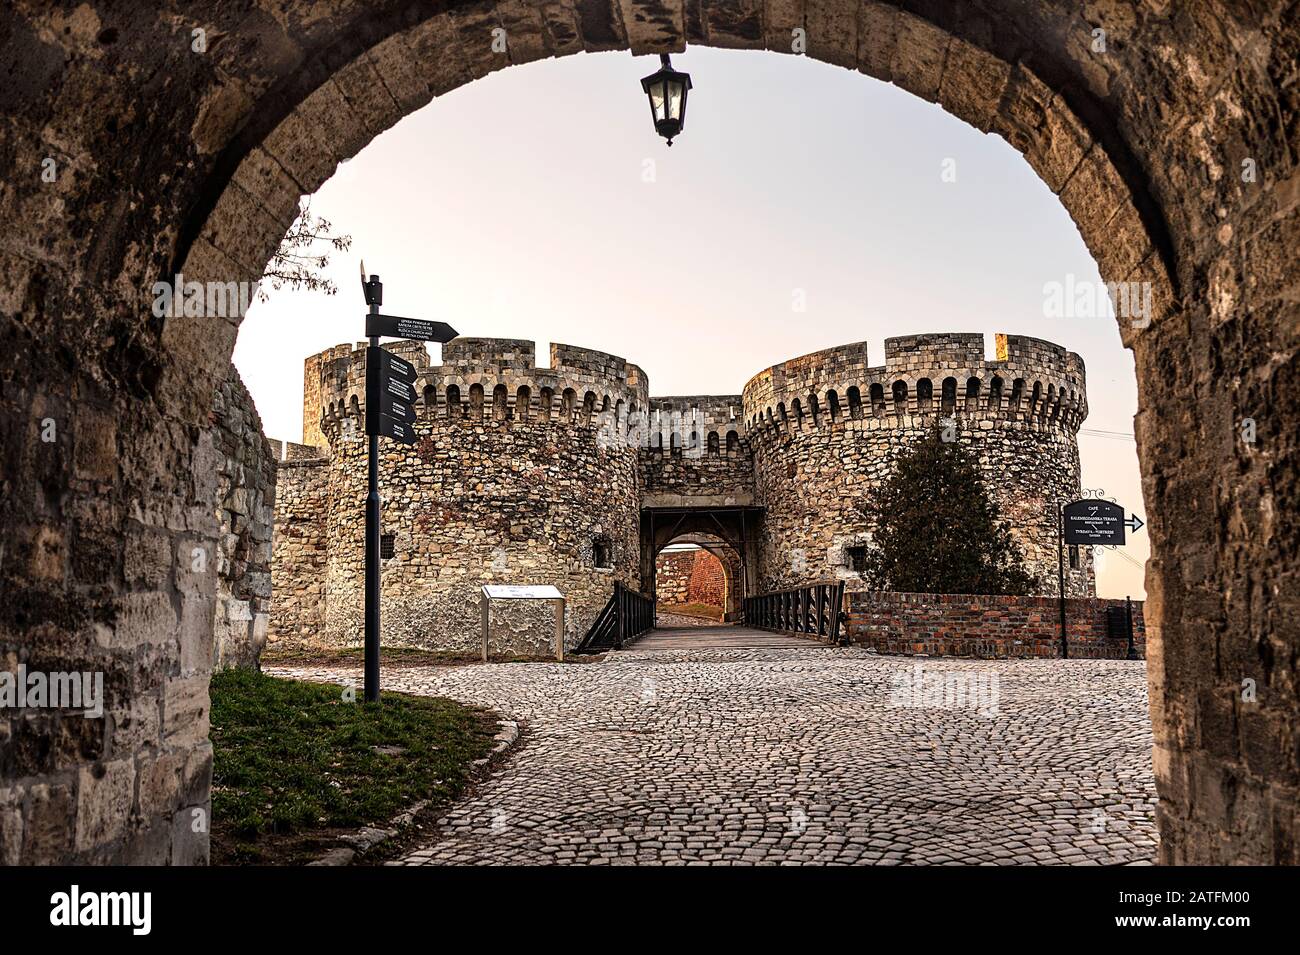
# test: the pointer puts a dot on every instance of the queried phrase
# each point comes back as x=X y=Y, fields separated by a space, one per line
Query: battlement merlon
x=716 y=412
x=845 y=375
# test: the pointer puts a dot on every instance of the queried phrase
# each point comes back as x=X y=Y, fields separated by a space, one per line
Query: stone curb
x=358 y=843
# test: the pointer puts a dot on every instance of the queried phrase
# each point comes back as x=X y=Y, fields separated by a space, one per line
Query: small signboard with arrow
x=394 y=326
x=1094 y=521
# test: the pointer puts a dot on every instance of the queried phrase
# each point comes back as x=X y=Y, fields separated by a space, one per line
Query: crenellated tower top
x=1033 y=382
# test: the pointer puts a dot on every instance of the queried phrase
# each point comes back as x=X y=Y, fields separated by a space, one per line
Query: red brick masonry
x=690 y=576
x=988 y=627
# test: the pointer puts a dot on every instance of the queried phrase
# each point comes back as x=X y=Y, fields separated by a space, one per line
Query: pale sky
x=539 y=203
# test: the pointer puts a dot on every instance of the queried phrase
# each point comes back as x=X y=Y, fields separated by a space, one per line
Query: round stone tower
x=826 y=429
x=509 y=482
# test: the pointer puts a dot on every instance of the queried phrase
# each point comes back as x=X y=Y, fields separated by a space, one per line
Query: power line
x=1113 y=435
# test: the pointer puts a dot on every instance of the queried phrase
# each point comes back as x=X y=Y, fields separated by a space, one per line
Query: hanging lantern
x=667 y=90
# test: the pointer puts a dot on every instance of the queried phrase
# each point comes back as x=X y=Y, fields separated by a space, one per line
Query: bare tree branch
x=303 y=255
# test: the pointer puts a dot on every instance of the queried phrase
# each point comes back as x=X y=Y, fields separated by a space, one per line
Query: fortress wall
x=512 y=481
x=300 y=552
x=246 y=495
x=826 y=428
x=522 y=473
x=697 y=452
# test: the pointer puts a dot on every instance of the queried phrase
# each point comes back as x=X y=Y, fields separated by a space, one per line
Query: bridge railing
x=816 y=609
x=626 y=616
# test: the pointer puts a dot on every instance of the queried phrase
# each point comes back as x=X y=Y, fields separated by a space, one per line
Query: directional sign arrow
x=392 y=428
x=386 y=374
x=394 y=326
x=1135 y=523
x=391 y=408
x=396 y=367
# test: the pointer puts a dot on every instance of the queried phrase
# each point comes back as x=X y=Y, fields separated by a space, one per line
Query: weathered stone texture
x=246 y=510
x=511 y=482
x=827 y=428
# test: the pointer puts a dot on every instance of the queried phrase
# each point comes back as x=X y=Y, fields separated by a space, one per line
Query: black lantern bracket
x=667 y=90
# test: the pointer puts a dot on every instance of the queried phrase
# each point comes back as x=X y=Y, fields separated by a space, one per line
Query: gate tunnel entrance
x=731 y=533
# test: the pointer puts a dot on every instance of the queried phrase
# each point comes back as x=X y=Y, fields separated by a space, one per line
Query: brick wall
x=707 y=584
x=965 y=625
x=690 y=576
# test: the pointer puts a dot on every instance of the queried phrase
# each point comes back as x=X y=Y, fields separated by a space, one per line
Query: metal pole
x=372 y=553
x=1060 y=573
x=1128 y=609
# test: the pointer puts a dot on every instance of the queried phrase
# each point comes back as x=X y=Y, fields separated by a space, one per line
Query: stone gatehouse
x=573 y=475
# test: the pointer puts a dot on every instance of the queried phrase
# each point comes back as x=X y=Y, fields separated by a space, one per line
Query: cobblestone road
x=799 y=756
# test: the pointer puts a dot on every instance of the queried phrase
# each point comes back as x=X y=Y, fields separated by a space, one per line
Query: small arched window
x=972 y=394
x=429 y=399
x=500 y=403
x=948 y=401
x=544 y=400
x=995 y=394
x=900 y=397
x=713 y=444
x=454 y=409
x=855 y=402
x=924 y=394
x=877 y=399
x=476 y=402
x=523 y=402
x=733 y=441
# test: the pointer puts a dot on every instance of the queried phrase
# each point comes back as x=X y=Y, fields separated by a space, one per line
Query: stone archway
x=730 y=564
x=129 y=155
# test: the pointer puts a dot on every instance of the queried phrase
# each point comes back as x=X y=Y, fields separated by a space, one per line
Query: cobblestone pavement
x=799 y=756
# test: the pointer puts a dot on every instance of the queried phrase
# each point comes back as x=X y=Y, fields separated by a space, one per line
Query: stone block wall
x=986 y=626
x=697 y=453
x=246 y=479
x=510 y=482
x=827 y=428
x=301 y=549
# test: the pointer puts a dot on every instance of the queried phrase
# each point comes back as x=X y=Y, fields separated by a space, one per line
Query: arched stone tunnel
x=137 y=143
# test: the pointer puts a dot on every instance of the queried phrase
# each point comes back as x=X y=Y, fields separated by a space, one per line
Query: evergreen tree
x=936 y=530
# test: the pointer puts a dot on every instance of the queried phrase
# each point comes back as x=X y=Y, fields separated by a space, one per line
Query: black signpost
x=390 y=411
x=1089 y=522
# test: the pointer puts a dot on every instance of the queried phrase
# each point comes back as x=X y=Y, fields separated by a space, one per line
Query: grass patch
x=288 y=655
x=294 y=765
x=693 y=610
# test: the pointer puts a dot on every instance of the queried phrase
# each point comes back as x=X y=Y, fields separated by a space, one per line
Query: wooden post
x=485 y=626
x=559 y=629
